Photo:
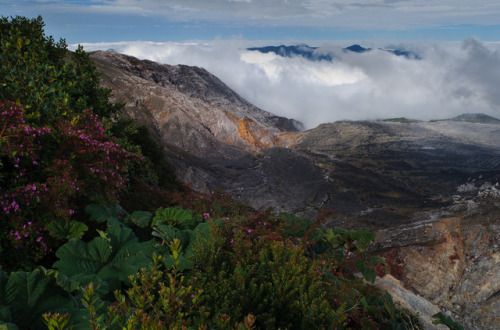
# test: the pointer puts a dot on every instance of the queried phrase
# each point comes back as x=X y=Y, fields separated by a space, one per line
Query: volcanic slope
x=216 y=139
x=430 y=190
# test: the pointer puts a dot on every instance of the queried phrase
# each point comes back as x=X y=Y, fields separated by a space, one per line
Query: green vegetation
x=399 y=120
x=72 y=257
x=440 y=318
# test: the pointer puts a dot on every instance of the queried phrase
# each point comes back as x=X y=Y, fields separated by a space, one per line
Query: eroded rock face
x=411 y=301
x=191 y=109
x=431 y=190
x=451 y=261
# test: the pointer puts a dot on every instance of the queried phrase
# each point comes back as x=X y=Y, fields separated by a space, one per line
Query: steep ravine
x=429 y=189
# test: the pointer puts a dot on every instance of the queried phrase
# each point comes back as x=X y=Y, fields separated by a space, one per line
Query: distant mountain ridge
x=476 y=118
x=466 y=117
x=320 y=54
x=303 y=50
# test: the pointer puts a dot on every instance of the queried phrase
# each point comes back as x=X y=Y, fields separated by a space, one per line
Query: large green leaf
x=368 y=272
x=168 y=233
x=28 y=295
x=141 y=218
x=67 y=230
x=101 y=212
x=106 y=261
x=176 y=217
x=187 y=238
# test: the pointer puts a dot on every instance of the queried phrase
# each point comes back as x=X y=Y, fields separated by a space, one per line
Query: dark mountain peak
x=398 y=52
x=405 y=53
x=302 y=50
x=357 y=49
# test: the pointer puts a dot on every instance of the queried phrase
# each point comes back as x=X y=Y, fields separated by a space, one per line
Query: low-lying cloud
x=448 y=80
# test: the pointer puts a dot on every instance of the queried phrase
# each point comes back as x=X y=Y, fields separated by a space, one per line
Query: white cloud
x=450 y=79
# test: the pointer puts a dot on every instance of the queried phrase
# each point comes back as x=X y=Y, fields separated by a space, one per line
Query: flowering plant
x=47 y=172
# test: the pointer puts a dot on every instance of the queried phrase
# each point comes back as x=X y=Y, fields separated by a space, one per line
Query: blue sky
x=287 y=20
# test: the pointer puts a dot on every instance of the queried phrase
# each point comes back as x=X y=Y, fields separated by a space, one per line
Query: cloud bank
x=450 y=78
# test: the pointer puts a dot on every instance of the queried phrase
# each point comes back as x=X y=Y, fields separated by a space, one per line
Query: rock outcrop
x=429 y=189
x=452 y=260
x=190 y=108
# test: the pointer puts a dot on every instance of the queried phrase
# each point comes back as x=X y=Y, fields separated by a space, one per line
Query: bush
x=44 y=77
x=79 y=160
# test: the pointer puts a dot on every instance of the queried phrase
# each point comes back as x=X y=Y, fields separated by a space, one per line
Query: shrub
x=79 y=160
x=43 y=76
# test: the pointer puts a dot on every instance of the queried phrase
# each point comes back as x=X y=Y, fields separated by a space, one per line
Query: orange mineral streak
x=262 y=139
x=246 y=134
x=257 y=137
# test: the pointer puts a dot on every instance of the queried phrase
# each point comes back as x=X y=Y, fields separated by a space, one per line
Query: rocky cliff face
x=189 y=107
x=429 y=189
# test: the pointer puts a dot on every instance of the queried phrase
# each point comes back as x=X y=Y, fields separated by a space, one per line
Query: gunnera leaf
x=168 y=233
x=141 y=218
x=176 y=217
x=101 y=212
x=67 y=230
x=31 y=294
x=111 y=259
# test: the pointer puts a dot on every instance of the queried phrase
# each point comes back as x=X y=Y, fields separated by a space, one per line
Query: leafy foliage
x=107 y=260
x=56 y=321
x=175 y=217
x=170 y=306
x=343 y=243
x=105 y=212
x=159 y=172
x=67 y=230
x=36 y=73
x=25 y=296
x=79 y=160
x=276 y=283
x=440 y=318
x=140 y=218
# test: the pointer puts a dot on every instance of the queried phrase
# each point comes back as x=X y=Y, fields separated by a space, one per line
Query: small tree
x=45 y=77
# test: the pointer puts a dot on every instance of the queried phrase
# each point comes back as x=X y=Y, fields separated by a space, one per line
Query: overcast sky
x=457 y=42
x=294 y=20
